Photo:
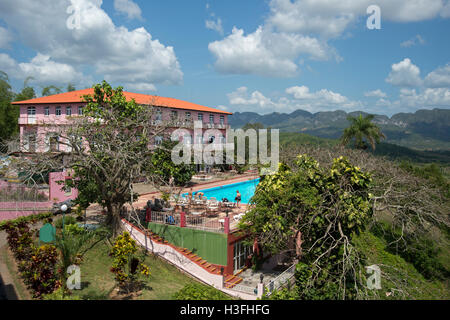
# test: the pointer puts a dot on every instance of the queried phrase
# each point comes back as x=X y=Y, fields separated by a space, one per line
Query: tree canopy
x=312 y=213
x=362 y=130
x=8 y=112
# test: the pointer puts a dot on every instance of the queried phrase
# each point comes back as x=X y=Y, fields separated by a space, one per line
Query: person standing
x=238 y=198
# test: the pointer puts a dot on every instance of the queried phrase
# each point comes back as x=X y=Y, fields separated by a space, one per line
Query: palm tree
x=360 y=129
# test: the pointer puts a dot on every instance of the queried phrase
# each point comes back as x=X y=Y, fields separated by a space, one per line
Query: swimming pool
x=246 y=189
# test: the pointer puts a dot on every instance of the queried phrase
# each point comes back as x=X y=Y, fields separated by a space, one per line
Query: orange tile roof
x=77 y=97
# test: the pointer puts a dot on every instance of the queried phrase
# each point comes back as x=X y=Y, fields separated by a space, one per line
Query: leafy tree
x=196 y=291
x=362 y=129
x=50 y=90
x=127 y=267
x=313 y=212
x=27 y=92
x=73 y=245
x=165 y=168
x=70 y=87
x=8 y=112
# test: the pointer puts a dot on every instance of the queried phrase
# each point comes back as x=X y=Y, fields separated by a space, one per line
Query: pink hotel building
x=38 y=116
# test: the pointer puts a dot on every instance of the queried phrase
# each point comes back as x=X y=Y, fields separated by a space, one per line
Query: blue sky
x=261 y=56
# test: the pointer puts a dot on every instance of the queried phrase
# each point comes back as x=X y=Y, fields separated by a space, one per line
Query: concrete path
x=7 y=289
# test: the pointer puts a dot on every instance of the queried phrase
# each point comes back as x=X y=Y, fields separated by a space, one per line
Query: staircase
x=211 y=268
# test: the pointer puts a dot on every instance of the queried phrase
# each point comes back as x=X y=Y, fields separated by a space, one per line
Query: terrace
x=209 y=213
x=206 y=215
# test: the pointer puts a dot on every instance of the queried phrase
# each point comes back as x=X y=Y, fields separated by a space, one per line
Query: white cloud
x=445 y=12
x=115 y=53
x=330 y=18
x=294 y=29
x=417 y=40
x=139 y=87
x=375 y=93
x=255 y=100
x=430 y=97
x=215 y=25
x=128 y=7
x=321 y=100
x=439 y=78
x=5 y=38
x=404 y=74
x=264 y=52
x=222 y=107
x=42 y=69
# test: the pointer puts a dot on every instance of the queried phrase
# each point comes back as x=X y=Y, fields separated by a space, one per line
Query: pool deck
x=143 y=198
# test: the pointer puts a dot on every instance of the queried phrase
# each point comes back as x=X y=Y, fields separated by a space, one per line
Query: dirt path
x=7 y=288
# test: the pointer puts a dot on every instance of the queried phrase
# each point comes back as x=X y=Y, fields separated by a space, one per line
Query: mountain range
x=421 y=130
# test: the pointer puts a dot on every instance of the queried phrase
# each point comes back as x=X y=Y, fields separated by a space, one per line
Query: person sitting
x=199 y=195
x=238 y=198
x=158 y=205
x=170 y=220
x=225 y=200
x=190 y=196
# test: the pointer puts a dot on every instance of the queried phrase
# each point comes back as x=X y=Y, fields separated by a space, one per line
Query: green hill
x=421 y=130
x=389 y=150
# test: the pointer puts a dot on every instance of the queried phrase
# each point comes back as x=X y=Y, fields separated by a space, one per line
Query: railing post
x=148 y=215
x=182 y=219
x=260 y=290
x=227 y=225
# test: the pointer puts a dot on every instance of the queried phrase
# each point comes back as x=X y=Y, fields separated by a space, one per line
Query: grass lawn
x=97 y=280
x=395 y=267
x=19 y=286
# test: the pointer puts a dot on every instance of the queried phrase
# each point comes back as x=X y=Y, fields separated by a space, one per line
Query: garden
x=109 y=268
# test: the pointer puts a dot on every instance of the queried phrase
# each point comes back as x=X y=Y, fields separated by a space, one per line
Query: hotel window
x=200 y=117
x=46 y=111
x=222 y=119
x=211 y=118
x=30 y=144
x=174 y=115
x=53 y=142
x=188 y=116
x=31 y=111
x=68 y=111
x=80 y=111
x=187 y=139
x=58 y=111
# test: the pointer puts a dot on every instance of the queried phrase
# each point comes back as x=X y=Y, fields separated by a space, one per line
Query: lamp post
x=63 y=209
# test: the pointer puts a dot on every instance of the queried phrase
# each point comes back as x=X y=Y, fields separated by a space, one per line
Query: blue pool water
x=246 y=189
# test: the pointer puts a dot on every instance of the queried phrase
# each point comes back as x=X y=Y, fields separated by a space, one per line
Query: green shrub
x=127 y=267
x=73 y=229
x=20 y=240
x=40 y=274
x=199 y=292
x=421 y=252
x=59 y=295
x=31 y=219
x=67 y=220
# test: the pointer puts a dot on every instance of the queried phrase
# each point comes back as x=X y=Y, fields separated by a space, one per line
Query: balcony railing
x=190 y=124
